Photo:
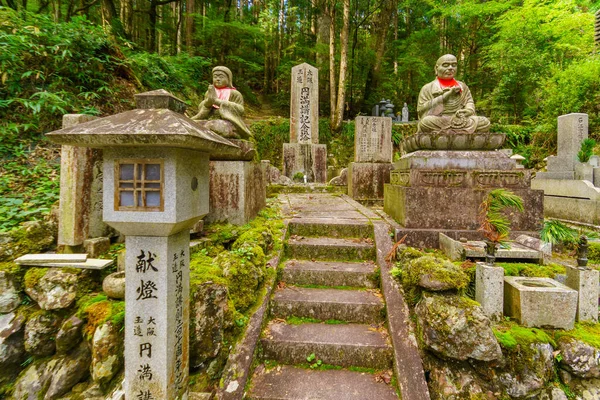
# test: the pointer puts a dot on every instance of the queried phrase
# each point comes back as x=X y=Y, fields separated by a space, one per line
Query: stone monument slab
x=373 y=140
x=304 y=104
x=308 y=159
x=366 y=180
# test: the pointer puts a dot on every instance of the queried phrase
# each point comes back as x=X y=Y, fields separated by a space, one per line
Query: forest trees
x=509 y=50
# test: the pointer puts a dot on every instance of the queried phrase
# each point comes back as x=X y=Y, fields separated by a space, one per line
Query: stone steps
x=344 y=345
x=359 y=306
x=304 y=272
x=291 y=383
x=326 y=248
x=330 y=227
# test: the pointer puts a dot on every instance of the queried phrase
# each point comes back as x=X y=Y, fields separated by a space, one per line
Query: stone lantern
x=155 y=187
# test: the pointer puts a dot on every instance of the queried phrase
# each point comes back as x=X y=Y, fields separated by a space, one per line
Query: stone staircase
x=326 y=338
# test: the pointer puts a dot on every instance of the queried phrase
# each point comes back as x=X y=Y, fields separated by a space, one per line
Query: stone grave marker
x=373 y=139
x=304 y=104
x=304 y=154
x=572 y=130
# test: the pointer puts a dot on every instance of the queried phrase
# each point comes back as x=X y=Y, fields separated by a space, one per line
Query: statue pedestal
x=309 y=159
x=432 y=191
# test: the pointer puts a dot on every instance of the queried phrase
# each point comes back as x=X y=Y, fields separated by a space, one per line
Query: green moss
x=406 y=254
x=203 y=269
x=532 y=270
x=243 y=278
x=300 y=320
x=585 y=332
x=16 y=272
x=36 y=237
x=514 y=337
x=438 y=269
x=97 y=309
x=33 y=276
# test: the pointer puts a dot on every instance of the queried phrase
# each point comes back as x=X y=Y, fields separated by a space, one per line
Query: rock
x=52 y=289
x=208 y=308
x=449 y=381
x=52 y=378
x=341 y=179
x=579 y=358
x=69 y=335
x=434 y=273
x=456 y=327
x=30 y=384
x=553 y=393
x=114 y=285
x=275 y=177
x=30 y=237
x=69 y=370
x=527 y=373
x=107 y=353
x=12 y=348
x=588 y=389
x=40 y=332
x=9 y=294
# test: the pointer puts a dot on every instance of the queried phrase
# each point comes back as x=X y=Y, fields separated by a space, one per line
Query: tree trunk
x=126 y=12
x=341 y=95
x=332 y=90
x=56 y=10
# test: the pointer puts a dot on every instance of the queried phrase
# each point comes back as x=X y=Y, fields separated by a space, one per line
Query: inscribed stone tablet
x=304 y=104
x=373 y=139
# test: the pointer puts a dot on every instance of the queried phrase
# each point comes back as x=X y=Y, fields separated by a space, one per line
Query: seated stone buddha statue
x=223 y=103
x=446 y=105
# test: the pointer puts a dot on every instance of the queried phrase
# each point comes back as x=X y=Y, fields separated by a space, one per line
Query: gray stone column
x=157 y=317
x=585 y=281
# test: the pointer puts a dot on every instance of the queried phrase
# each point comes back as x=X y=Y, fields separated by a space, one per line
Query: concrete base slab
x=540 y=302
x=475 y=249
x=429 y=238
x=307 y=159
x=366 y=180
x=237 y=191
x=324 y=304
x=286 y=382
x=336 y=344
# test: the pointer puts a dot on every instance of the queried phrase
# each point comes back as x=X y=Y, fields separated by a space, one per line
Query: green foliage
x=494 y=224
x=558 y=233
x=513 y=337
x=587 y=150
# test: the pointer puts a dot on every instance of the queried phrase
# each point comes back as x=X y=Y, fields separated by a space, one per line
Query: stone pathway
x=328 y=310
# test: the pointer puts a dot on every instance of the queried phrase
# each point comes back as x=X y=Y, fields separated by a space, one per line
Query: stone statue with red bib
x=446 y=105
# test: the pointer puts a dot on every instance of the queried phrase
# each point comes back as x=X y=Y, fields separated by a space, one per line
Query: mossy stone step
x=345 y=345
x=291 y=383
x=328 y=273
x=331 y=227
x=326 y=248
x=360 y=306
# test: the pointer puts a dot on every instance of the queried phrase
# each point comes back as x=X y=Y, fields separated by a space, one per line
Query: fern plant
x=493 y=222
x=587 y=150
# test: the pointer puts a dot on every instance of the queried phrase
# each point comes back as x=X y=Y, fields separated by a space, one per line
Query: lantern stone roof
x=157 y=122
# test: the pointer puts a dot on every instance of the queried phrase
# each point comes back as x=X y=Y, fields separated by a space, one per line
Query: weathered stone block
x=237 y=191
x=308 y=159
x=585 y=282
x=452 y=248
x=540 y=302
x=489 y=289
x=96 y=246
x=572 y=130
x=366 y=180
x=584 y=171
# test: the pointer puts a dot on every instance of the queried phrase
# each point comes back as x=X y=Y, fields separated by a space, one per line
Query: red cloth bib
x=448 y=83
x=223 y=94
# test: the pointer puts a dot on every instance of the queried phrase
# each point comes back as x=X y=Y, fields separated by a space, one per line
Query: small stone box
x=540 y=302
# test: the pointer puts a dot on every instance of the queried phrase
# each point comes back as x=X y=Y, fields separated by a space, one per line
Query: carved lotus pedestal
x=432 y=191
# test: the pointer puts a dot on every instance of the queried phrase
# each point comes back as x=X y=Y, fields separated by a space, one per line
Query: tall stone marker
x=304 y=154
x=372 y=158
x=155 y=187
x=572 y=130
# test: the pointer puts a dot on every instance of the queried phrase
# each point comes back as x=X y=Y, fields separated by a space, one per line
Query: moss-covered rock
x=40 y=333
x=434 y=273
x=107 y=352
x=260 y=236
x=579 y=358
x=52 y=288
x=9 y=294
x=243 y=277
x=456 y=381
x=31 y=237
x=455 y=327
